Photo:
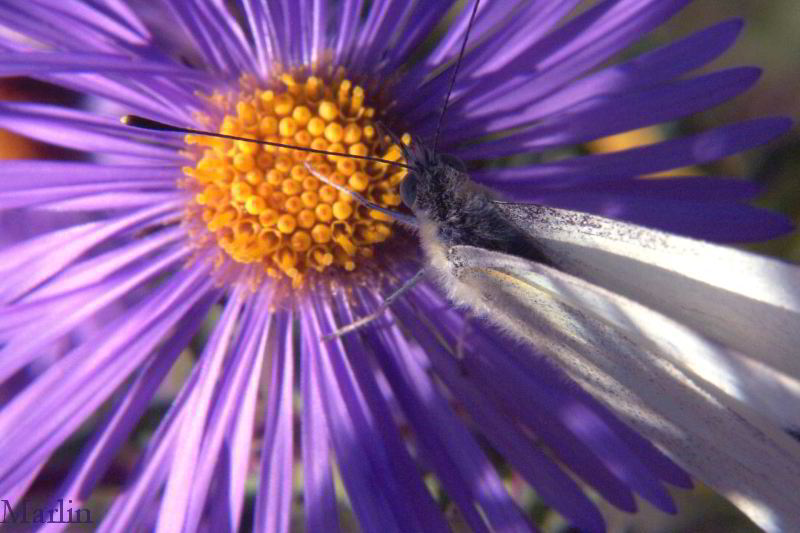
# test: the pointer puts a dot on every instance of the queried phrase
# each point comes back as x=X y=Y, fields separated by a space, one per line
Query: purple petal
x=226 y=33
x=553 y=486
x=529 y=23
x=240 y=434
x=421 y=23
x=32 y=63
x=85 y=273
x=273 y=504
x=83 y=197
x=196 y=29
x=116 y=336
x=577 y=46
x=604 y=116
x=143 y=489
x=358 y=455
x=666 y=155
x=222 y=412
x=107 y=201
x=522 y=32
x=416 y=502
x=513 y=387
x=317 y=31
x=63 y=28
x=77 y=284
x=646 y=70
x=318 y=494
x=293 y=40
x=122 y=12
x=489 y=15
x=17 y=174
x=183 y=471
x=94 y=370
x=707 y=220
x=109 y=438
x=83 y=131
x=16 y=493
x=461 y=466
x=691 y=188
x=589 y=39
x=260 y=26
x=553 y=483
x=160 y=99
x=126 y=28
x=376 y=32
x=29 y=263
x=347 y=26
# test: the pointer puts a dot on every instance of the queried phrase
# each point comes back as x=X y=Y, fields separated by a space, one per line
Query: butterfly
x=610 y=302
x=693 y=345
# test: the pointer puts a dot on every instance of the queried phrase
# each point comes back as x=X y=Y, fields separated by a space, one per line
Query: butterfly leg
x=384 y=305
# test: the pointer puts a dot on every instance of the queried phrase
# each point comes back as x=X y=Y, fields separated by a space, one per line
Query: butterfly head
x=432 y=178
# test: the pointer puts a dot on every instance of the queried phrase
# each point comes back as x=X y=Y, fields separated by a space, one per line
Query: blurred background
x=771 y=40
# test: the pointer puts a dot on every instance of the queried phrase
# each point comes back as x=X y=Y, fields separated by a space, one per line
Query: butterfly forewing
x=745 y=301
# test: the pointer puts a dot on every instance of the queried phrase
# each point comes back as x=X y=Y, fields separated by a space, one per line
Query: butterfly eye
x=408 y=189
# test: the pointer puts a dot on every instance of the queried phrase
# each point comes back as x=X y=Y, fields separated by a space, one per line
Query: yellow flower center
x=262 y=205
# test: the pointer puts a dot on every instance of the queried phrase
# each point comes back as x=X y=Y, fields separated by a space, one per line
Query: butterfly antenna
x=149 y=124
x=455 y=72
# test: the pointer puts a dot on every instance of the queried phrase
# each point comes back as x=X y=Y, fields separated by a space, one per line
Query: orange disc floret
x=261 y=204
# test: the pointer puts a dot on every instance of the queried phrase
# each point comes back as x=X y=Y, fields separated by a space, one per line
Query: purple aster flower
x=172 y=227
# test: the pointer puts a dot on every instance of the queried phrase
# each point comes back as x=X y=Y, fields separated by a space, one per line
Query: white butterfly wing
x=638 y=362
x=747 y=302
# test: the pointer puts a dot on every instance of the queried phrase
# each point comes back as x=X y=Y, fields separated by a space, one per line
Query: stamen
x=286 y=211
